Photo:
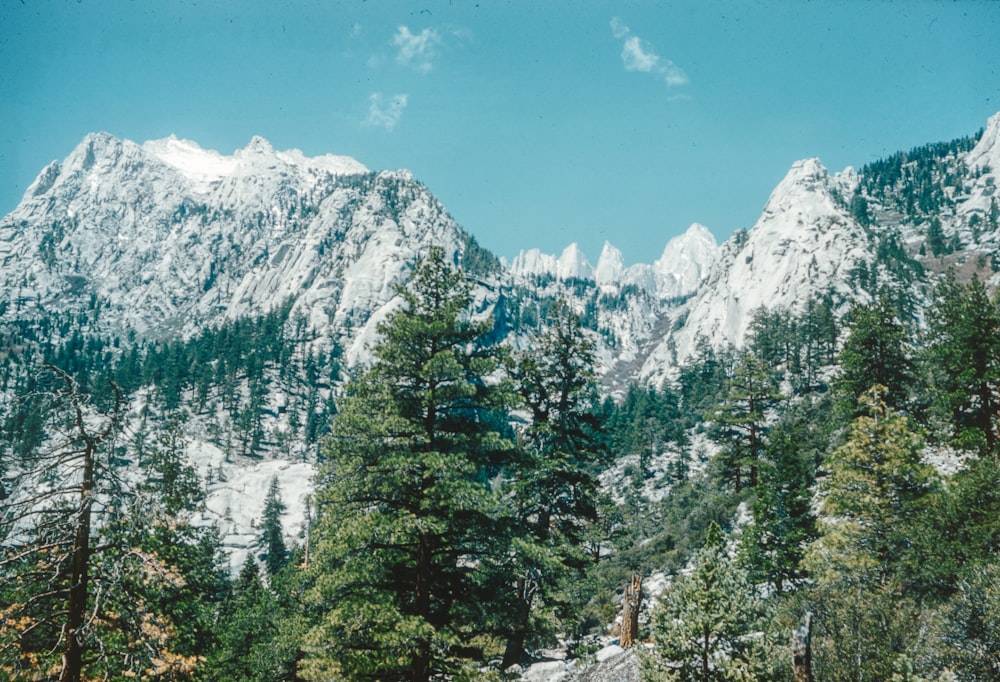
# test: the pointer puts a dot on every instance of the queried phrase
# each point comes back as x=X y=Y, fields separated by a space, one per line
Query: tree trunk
x=630 y=612
x=77 y=607
x=705 y=648
x=420 y=664
x=802 y=650
x=514 y=652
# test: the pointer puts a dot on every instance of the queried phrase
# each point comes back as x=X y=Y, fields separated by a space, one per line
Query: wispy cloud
x=382 y=114
x=638 y=55
x=417 y=50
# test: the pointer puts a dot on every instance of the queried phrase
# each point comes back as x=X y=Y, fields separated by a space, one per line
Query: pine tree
x=708 y=624
x=935 y=237
x=552 y=493
x=103 y=573
x=407 y=528
x=272 y=539
x=248 y=625
x=48 y=548
x=774 y=545
x=876 y=487
x=876 y=491
x=963 y=353
x=750 y=391
x=972 y=625
x=875 y=352
x=169 y=477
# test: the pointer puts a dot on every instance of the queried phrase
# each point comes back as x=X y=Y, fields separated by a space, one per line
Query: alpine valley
x=230 y=298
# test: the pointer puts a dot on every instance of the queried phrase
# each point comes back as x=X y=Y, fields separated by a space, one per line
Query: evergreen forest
x=821 y=503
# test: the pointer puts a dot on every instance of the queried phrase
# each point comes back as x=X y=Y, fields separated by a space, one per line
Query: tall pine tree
x=963 y=352
x=876 y=352
x=406 y=532
x=552 y=489
x=272 y=538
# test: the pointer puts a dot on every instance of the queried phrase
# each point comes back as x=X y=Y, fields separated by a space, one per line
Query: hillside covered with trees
x=475 y=504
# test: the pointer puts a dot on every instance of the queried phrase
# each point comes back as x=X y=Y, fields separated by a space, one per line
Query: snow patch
x=202 y=167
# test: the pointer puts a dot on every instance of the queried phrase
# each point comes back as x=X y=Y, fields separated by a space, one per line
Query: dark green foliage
x=702 y=379
x=703 y=628
x=249 y=622
x=476 y=260
x=783 y=520
x=971 y=637
x=169 y=477
x=272 y=538
x=935 y=237
x=963 y=358
x=914 y=182
x=960 y=529
x=454 y=532
x=750 y=391
x=146 y=579
x=407 y=529
x=553 y=489
x=645 y=422
x=876 y=352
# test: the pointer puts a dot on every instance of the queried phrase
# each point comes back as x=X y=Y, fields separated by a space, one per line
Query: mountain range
x=157 y=242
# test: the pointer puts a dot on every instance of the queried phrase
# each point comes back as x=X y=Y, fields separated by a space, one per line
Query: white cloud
x=385 y=115
x=638 y=55
x=618 y=29
x=417 y=50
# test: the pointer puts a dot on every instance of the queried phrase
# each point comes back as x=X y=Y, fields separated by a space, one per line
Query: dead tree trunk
x=73 y=653
x=89 y=442
x=802 y=650
x=630 y=612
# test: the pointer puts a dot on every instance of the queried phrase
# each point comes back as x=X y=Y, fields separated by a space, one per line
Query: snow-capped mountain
x=685 y=262
x=571 y=264
x=171 y=237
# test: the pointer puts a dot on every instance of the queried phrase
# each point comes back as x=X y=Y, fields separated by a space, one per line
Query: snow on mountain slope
x=202 y=167
x=804 y=244
x=986 y=153
x=170 y=236
x=533 y=263
x=165 y=238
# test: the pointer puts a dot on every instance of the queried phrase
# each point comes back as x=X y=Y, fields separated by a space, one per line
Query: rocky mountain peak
x=688 y=257
x=574 y=265
x=610 y=265
x=806 y=187
x=804 y=245
x=203 y=167
x=986 y=153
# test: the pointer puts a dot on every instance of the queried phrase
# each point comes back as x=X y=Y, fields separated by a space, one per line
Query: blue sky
x=535 y=123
